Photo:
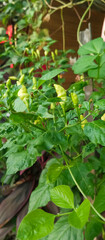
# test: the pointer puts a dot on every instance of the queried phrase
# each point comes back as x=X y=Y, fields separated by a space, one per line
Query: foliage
x=42 y=123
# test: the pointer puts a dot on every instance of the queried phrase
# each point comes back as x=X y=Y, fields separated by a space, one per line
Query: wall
x=71 y=24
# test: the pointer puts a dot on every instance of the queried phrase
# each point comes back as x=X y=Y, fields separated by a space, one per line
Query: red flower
x=11 y=66
x=9 y=31
x=44 y=67
x=2 y=41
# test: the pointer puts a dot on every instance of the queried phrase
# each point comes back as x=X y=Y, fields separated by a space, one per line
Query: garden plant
x=52 y=140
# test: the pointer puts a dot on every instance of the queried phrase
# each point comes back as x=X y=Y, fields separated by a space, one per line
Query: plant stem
x=80 y=23
x=98 y=214
x=62 y=214
x=80 y=190
x=63 y=30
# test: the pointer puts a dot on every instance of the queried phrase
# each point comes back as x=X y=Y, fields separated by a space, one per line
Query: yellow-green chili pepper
x=83 y=122
x=103 y=117
x=74 y=98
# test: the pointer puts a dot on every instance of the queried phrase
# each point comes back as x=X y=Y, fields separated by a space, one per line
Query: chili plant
x=40 y=115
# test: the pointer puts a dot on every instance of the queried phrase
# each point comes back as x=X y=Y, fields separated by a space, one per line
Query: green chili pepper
x=21 y=79
x=8 y=83
x=13 y=78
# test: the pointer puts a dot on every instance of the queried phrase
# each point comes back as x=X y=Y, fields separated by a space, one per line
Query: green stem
x=62 y=214
x=94 y=209
x=80 y=23
x=80 y=190
x=63 y=29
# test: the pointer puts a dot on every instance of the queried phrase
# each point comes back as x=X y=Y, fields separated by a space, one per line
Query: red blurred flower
x=9 y=31
x=44 y=67
x=3 y=41
x=11 y=66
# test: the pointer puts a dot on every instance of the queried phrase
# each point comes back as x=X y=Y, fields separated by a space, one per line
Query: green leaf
x=63 y=231
x=54 y=171
x=100 y=104
x=99 y=202
x=62 y=196
x=43 y=112
x=97 y=72
x=81 y=172
x=95 y=131
x=39 y=197
x=88 y=149
x=93 y=46
x=19 y=161
x=79 y=217
x=83 y=64
x=51 y=74
x=93 y=229
x=19 y=105
x=35 y=225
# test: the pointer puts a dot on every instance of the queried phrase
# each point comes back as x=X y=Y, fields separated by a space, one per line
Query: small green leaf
x=19 y=105
x=95 y=131
x=100 y=104
x=79 y=217
x=62 y=196
x=43 y=112
x=54 y=171
x=51 y=74
x=35 y=225
x=39 y=197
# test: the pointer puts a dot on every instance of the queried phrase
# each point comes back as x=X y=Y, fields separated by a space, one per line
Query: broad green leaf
x=54 y=171
x=62 y=196
x=95 y=131
x=79 y=216
x=35 y=225
x=19 y=105
x=63 y=231
x=100 y=104
x=83 y=64
x=99 y=202
x=51 y=74
x=93 y=229
x=19 y=161
x=102 y=159
x=93 y=46
x=39 y=197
